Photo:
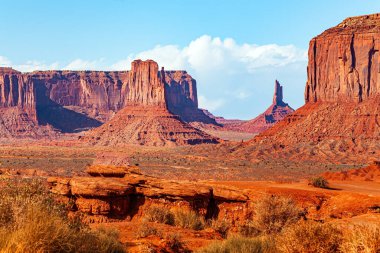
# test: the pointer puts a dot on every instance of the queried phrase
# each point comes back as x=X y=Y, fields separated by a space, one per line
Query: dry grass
x=31 y=221
x=238 y=244
x=188 y=219
x=273 y=213
x=309 y=237
x=248 y=229
x=159 y=214
x=174 y=242
x=220 y=226
x=145 y=229
x=362 y=239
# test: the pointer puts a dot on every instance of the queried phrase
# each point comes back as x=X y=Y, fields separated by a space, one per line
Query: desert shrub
x=32 y=221
x=173 y=242
x=319 y=182
x=145 y=229
x=362 y=239
x=147 y=248
x=273 y=213
x=160 y=215
x=238 y=244
x=188 y=219
x=248 y=229
x=220 y=226
x=309 y=237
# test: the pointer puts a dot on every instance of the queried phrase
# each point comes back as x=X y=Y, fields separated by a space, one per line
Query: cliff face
x=340 y=121
x=76 y=100
x=17 y=90
x=146 y=118
x=145 y=85
x=344 y=62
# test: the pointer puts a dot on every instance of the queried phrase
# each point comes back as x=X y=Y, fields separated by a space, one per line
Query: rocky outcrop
x=344 y=62
x=72 y=101
x=277 y=111
x=106 y=198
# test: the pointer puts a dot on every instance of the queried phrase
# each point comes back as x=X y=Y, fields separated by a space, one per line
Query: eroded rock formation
x=146 y=118
x=72 y=101
x=277 y=111
x=340 y=121
x=105 y=197
x=344 y=62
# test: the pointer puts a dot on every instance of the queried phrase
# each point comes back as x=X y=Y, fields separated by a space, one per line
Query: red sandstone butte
x=340 y=120
x=41 y=103
x=147 y=120
x=344 y=62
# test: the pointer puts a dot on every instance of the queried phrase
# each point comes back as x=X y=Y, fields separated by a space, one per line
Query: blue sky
x=235 y=49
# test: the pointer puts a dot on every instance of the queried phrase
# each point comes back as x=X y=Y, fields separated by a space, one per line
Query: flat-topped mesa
x=146 y=86
x=344 y=62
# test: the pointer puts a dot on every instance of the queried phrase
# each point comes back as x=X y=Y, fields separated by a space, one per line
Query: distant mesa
x=48 y=103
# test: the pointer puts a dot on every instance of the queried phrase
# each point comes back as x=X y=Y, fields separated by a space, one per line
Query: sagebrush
x=32 y=221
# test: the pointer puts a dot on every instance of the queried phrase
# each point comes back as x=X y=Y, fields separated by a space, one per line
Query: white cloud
x=209 y=104
x=235 y=79
x=242 y=94
x=4 y=62
x=122 y=65
x=207 y=53
x=30 y=66
x=229 y=73
x=80 y=64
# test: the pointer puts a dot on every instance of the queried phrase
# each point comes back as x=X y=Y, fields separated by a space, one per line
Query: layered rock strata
x=340 y=121
x=147 y=120
x=103 y=197
x=72 y=101
x=344 y=62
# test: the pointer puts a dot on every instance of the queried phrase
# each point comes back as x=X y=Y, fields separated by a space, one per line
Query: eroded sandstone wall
x=17 y=90
x=93 y=97
x=344 y=62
